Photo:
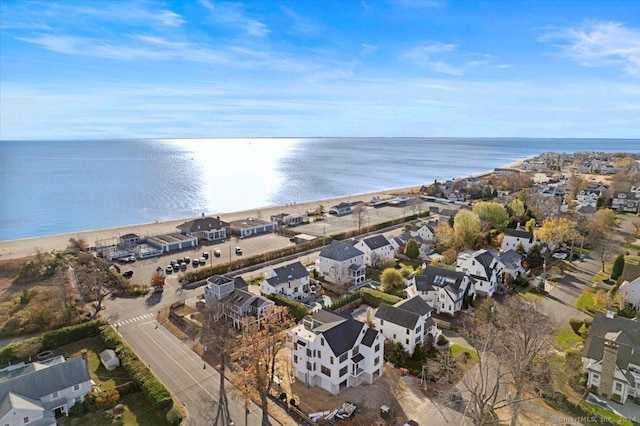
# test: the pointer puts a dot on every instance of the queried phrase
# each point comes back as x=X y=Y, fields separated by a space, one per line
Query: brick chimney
x=609 y=358
x=83 y=354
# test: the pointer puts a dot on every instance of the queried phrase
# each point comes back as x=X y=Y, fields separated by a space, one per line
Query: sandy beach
x=15 y=249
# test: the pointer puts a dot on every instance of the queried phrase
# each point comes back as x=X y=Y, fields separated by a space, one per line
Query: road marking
x=132 y=320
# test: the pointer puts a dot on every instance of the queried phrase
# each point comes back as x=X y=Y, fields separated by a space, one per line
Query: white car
x=560 y=255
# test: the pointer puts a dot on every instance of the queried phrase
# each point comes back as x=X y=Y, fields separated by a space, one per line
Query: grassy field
x=528 y=294
x=587 y=302
x=565 y=338
x=137 y=409
x=457 y=350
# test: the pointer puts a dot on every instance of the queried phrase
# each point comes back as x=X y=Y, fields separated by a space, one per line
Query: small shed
x=109 y=359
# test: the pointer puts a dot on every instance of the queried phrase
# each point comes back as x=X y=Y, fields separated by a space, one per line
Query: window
x=419 y=329
x=331 y=360
x=381 y=322
x=55 y=394
x=408 y=331
x=321 y=341
x=344 y=357
x=318 y=354
x=394 y=337
x=377 y=347
x=376 y=361
x=309 y=353
x=344 y=370
x=325 y=370
x=76 y=387
x=596 y=376
x=295 y=345
x=406 y=341
x=618 y=387
x=295 y=359
x=356 y=350
x=25 y=420
x=309 y=366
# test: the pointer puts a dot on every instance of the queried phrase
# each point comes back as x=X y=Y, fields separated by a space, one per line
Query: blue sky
x=146 y=69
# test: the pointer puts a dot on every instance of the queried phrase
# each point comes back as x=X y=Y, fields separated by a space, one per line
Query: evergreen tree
x=412 y=250
x=618 y=267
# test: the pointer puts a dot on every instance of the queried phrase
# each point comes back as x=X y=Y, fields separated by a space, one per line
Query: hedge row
x=30 y=348
x=344 y=300
x=296 y=309
x=375 y=298
x=157 y=393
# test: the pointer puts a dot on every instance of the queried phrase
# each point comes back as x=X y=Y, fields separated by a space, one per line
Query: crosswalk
x=132 y=320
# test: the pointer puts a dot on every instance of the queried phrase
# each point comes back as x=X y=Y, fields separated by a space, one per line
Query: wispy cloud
x=232 y=14
x=599 y=44
x=367 y=49
x=432 y=56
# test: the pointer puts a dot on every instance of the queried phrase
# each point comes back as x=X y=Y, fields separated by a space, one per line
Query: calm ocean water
x=51 y=187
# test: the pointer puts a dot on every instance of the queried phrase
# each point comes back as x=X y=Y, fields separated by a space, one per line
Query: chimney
x=610 y=314
x=370 y=317
x=609 y=358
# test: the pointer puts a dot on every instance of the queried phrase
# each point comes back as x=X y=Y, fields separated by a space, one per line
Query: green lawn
x=528 y=294
x=565 y=338
x=601 y=277
x=587 y=303
x=457 y=349
x=560 y=377
x=605 y=415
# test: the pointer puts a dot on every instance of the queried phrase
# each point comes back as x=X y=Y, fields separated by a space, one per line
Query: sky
x=187 y=69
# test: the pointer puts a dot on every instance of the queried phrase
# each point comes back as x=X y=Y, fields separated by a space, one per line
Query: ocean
x=53 y=187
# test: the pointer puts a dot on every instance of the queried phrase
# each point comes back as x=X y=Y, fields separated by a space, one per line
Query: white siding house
x=443 y=289
x=334 y=352
x=377 y=250
x=342 y=263
x=408 y=322
x=291 y=280
x=252 y=226
x=631 y=292
x=484 y=268
x=514 y=237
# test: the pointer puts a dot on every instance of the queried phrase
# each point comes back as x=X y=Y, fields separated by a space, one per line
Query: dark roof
x=292 y=271
x=359 y=357
x=519 y=233
x=41 y=382
x=416 y=305
x=485 y=258
x=239 y=297
x=511 y=259
x=340 y=251
x=435 y=276
x=238 y=282
x=342 y=335
x=203 y=224
x=369 y=337
x=406 y=319
x=376 y=242
x=628 y=339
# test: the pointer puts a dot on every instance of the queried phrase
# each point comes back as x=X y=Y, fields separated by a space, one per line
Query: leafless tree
x=360 y=215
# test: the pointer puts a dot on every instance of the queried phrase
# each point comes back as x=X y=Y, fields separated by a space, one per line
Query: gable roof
x=341 y=335
x=203 y=224
x=15 y=401
x=519 y=233
x=369 y=337
x=376 y=242
x=340 y=251
x=435 y=276
x=416 y=305
x=38 y=383
x=625 y=332
x=511 y=259
x=292 y=271
x=401 y=317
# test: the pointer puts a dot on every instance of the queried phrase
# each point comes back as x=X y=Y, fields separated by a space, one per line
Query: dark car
x=169 y=269
x=127 y=274
x=205 y=255
x=216 y=253
x=238 y=251
x=195 y=263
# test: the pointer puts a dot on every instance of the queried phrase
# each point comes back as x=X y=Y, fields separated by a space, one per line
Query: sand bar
x=15 y=249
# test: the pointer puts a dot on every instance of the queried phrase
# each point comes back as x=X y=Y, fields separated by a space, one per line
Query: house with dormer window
x=611 y=357
x=336 y=352
x=408 y=322
x=342 y=263
x=625 y=201
x=207 y=228
x=291 y=280
x=484 y=269
x=445 y=290
x=377 y=250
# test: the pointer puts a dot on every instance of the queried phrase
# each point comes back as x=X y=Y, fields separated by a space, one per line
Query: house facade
x=484 y=269
x=408 y=322
x=514 y=237
x=34 y=393
x=611 y=357
x=251 y=226
x=510 y=263
x=630 y=291
x=290 y=219
x=445 y=290
x=625 y=201
x=291 y=280
x=426 y=231
x=342 y=263
x=377 y=250
x=588 y=197
x=206 y=228
x=398 y=243
x=241 y=304
x=220 y=286
x=341 y=209
x=335 y=352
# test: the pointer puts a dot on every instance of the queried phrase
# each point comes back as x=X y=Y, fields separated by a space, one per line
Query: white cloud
x=599 y=44
x=439 y=57
x=232 y=14
x=367 y=49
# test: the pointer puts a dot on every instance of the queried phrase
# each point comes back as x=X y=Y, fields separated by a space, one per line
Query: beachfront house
x=205 y=228
x=335 y=352
x=171 y=242
x=408 y=322
x=611 y=357
x=342 y=263
x=290 y=219
x=291 y=280
x=251 y=226
x=378 y=251
x=37 y=392
x=514 y=237
x=341 y=209
x=445 y=290
x=483 y=267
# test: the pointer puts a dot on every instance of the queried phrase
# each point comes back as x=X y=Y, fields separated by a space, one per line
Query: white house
x=377 y=250
x=398 y=243
x=625 y=201
x=484 y=268
x=425 y=230
x=220 y=286
x=611 y=357
x=408 y=322
x=342 y=263
x=510 y=263
x=514 y=237
x=290 y=219
x=241 y=303
x=335 y=352
x=443 y=289
x=291 y=280
x=251 y=226
x=588 y=197
x=341 y=209
x=34 y=393
x=630 y=291
x=208 y=228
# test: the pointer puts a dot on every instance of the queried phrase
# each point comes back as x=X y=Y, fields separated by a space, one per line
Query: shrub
x=375 y=298
x=174 y=417
x=103 y=400
x=296 y=309
x=618 y=267
x=442 y=340
x=77 y=409
x=344 y=300
x=66 y=335
x=575 y=324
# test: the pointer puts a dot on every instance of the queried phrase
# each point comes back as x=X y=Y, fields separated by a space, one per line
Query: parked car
x=169 y=269
x=176 y=267
x=559 y=255
x=238 y=251
x=205 y=255
x=127 y=274
x=195 y=263
x=203 y=260
x=216 y=253
x=187 y=260
x=183 y=266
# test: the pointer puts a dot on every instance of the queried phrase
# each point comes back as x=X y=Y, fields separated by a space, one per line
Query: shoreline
x=19 y=248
